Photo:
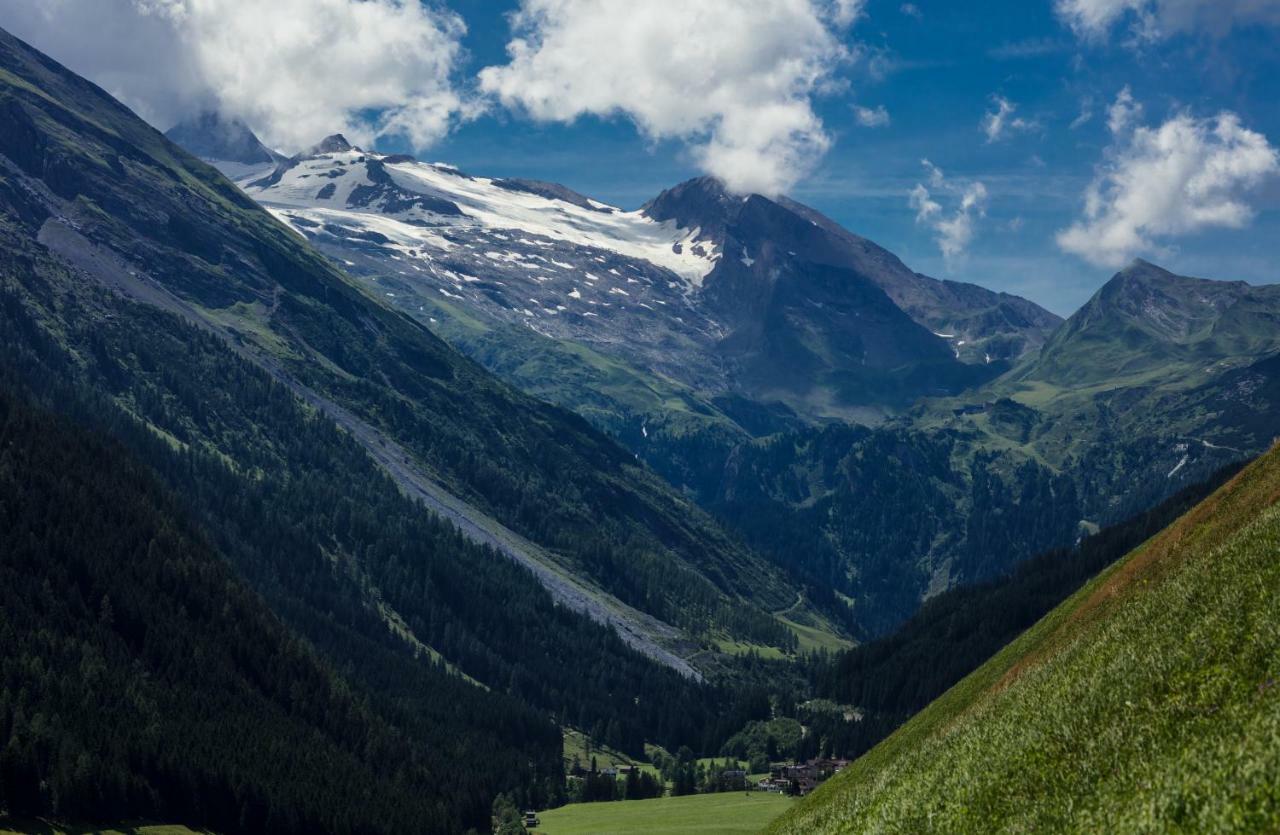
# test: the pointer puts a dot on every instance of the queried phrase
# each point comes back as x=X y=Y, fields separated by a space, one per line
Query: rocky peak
x=212 y=136
x=335 y=144
x=701 y=203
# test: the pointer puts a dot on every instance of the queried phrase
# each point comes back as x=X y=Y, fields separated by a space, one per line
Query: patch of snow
x=492 y=207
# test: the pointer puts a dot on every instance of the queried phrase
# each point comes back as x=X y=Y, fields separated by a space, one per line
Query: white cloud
x=1001 y=123
x=733 y=80
x=1155 y=19
x=871 y=117
x=912 y=10
x=1124 y=112
x=845 y=12
x=1183 y=176
x=955 y=231
x=296 y=70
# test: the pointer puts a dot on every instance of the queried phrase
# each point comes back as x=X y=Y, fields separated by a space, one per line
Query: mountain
x=804 y=322
x=459 y=556
x=1149 y=323
x=143 y=678
x=1145 y=702
x=1005 y=471
x=700 y=292
x=228 y=143
x=711 y=349
x=958 y=630
x=517 y=475
x=979 y=325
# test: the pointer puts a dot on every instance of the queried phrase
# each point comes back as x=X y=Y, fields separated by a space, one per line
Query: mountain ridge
x=1146 y=320
x=242 y=276
x=435 y=231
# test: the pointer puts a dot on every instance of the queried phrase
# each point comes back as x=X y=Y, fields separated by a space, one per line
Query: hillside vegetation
x=112 y=200
x=1148 y=701
x=276 y=409
x=141 y=677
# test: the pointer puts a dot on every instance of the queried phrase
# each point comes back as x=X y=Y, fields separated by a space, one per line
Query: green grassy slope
x=1149 y=325
x=1148 y=701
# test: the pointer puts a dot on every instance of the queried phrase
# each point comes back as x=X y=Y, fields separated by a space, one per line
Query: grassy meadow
x=1147 y=702
x=729 y=813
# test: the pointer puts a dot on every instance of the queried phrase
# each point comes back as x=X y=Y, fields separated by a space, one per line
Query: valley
x=345 y=492
x=656 y=355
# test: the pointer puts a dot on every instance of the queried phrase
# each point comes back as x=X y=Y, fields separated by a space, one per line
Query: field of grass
x=45 y=828
x=1148 y=702
x=812 y=638
x=699 y=814
x=732 y=647
x=576 y=745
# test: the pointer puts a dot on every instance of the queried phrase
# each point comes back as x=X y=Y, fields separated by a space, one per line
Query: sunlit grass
x=1148 y=702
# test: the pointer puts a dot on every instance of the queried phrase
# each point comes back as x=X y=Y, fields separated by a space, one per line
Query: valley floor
x=699 y=814
x=40 y=827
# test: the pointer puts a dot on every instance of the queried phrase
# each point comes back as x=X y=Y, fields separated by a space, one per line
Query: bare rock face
x=211 y=136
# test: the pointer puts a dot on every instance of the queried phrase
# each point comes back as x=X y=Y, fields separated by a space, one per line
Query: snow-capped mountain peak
x=412 y=202
x=720 y=291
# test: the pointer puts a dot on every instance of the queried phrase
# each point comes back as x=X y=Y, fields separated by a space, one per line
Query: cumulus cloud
x=911 y=10
x=953 y=231
x=1155 y=19
x=733 y=80
x=296 y=70
x=1000 y=123
x=871 y=117
x=1177 y=178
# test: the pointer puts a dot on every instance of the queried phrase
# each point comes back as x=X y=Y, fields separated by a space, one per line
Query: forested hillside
x=113 y=201
x=142 y=678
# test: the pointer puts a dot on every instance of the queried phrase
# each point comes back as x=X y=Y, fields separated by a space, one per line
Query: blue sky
x=937 y=69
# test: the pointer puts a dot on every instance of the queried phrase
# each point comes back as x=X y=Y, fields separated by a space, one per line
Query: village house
x=801 y=778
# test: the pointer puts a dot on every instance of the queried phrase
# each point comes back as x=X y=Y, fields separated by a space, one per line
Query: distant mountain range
x=1148 y=323
x=727 y=339
x=729 y=296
